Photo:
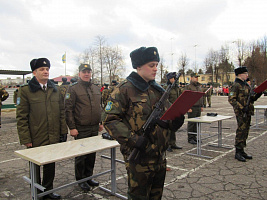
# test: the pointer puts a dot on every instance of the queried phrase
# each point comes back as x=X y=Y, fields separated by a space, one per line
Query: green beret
x=194 y=75
x=144 y=55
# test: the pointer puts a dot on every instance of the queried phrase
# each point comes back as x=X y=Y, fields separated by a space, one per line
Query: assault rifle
x=251 y=92
x=149 y=125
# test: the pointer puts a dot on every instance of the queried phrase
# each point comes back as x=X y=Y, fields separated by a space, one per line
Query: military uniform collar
x=85 y=83
x=238 y=80
x=141 y=84
x=34 y=85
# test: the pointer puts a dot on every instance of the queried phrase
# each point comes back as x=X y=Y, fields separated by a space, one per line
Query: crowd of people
x=46 y=113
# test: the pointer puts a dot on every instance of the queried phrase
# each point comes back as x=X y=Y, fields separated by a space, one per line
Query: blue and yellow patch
x=109 y=106
x=231 y=93
x=18 y=100
x=67 y=96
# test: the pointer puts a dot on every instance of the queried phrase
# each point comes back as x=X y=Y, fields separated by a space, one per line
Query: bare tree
x=162 y=69
x=100 y=41
x=113 y=60
x=183 y=62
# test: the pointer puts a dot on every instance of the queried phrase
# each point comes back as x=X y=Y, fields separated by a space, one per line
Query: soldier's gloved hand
x=245 y=109
x=63 y=137
x=141 y=143
x=177 y=123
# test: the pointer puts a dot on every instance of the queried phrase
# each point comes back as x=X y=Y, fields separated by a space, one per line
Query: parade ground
x=220 y=176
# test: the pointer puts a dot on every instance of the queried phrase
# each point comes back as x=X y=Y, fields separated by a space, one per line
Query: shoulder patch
x=18 y=100
x=109 y=106
x=231 y=93
x=67 y=96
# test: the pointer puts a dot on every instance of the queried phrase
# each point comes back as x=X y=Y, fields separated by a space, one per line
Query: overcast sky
x=48 y=28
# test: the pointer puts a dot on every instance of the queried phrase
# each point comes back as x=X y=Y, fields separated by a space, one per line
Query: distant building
x=59 y=79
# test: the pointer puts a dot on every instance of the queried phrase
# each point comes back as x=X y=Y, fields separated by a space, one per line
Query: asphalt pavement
x=190 y=177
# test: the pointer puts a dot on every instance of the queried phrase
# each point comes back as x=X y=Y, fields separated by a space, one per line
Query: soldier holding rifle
x=128 y=109
x=242 y=98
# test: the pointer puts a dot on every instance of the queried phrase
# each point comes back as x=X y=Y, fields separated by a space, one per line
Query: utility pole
x=195 y=46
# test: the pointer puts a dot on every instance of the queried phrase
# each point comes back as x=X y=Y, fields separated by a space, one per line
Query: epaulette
x=24 y=85
x=73 y=84
x=122 y=83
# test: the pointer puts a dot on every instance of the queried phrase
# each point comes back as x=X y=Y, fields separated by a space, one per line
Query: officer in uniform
x=174 y=94
x=128 y=108
x=40 y=117
x=83 y=117
x=196 y=110
x=3 y=96
x=238 y=98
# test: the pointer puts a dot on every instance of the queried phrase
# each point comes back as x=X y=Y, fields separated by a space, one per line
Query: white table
x=258 y=108
x=61 y=151
x=208 y=119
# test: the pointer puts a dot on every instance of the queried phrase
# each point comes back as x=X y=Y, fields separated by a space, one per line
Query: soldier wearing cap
x=174 y=94
x=196 y=110
x=40 y=117
x=127 y=109
x=208 y=94
x=83 y=117
x=3 y=96
x=238 y=98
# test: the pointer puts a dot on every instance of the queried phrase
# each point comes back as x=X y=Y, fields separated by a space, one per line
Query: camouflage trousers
x=145 y=181
x=243 y=125
x=209 y=100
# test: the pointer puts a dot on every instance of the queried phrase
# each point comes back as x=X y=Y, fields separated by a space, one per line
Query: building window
x=187 y=78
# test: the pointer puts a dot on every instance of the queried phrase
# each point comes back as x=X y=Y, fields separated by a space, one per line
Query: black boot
x=246 y=156
x=169 y=149
x=239 y=156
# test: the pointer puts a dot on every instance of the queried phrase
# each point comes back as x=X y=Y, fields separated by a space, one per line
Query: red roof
x=59 y=79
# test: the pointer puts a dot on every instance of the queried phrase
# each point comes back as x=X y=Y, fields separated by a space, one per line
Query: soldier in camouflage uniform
x=3 y=96
x=174 y=94
x=196 y=110
x=113 y=85
x=127 y=110
x=204 y=88
x=64 y=87
x=238 y=98
x=105 y=94
x=208 y=94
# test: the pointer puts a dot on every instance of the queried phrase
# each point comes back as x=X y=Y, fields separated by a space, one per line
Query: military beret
x=144 y=55
x=170 y=75
x=194 y=75
x=105 y=84
x=64 y=79
x=248 y=79
x=40 y=62
x=240 y=70
x=84 y=66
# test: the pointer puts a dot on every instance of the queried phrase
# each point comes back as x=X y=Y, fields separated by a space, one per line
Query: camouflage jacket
x=195 y=87
x=105 y=95
x=127 y=110
x=174 y=93
x=238 y=97
x=3 y=95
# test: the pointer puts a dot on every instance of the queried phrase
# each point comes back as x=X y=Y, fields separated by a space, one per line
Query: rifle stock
x=151 y=121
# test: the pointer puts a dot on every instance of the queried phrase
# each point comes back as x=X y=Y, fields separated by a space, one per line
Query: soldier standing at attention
x=63 y=87
x=238 y=98
x=196 y=110
x=3 y=96
x=174 y=94
x=40 y=117
x=128 y=108
x=209 y=93
x=83 y=117
x=105 y=94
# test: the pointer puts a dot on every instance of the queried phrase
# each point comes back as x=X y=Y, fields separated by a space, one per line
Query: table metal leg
x=257 y=115
x=113 y=171
x=199 y=139
x=33 y=180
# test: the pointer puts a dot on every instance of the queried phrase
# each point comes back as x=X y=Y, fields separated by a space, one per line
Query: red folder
x=182 y=104
x=261 y=87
